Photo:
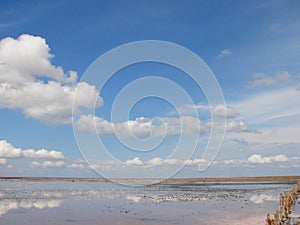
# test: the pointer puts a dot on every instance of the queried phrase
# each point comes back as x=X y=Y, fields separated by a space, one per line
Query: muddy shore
x=171 y=180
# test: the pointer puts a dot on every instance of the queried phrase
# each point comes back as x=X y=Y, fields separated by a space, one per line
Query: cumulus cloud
x=29 y=56
x=232 y=126
x=169 y=161
x=47 y=102
x=224 y=52
x=7 y=150
x=258 y=159
x=47 y=164
x=172 y=161
x=154 y=161
x=140 y=127
x=194 y=162
x=169 y=126
x=281 y=78
x=238 y=126
x=280 y=160
x=76 y=166
x=225 y=111
x=135 y=162
x=234 y=162
x=29 y=82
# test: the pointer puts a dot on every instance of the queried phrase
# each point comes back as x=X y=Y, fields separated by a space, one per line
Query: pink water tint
x=84 y=203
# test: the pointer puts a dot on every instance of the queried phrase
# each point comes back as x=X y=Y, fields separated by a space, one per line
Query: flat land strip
x=171 y=180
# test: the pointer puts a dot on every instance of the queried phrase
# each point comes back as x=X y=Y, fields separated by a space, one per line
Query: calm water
x=89 y=203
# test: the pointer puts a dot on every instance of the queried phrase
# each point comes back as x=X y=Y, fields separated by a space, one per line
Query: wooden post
x=286 y=202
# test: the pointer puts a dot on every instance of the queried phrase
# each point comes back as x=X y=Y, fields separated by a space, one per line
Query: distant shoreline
x=171 y=180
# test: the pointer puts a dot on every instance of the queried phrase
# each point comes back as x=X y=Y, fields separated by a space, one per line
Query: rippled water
x=93 y=203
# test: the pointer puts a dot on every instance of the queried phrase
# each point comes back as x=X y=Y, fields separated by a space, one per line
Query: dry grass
x=171 y=180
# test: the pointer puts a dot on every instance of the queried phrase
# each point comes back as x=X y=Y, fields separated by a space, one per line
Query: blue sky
x=252 y=47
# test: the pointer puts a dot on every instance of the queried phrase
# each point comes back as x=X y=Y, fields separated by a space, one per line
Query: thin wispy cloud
x=275 y=26
x=279 y=79
x=7 y=25
x=224 y=53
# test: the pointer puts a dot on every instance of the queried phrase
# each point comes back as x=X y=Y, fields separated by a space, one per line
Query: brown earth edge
x=170 y=180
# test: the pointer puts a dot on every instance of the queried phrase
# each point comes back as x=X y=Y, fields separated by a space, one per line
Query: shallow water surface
x=96 y=203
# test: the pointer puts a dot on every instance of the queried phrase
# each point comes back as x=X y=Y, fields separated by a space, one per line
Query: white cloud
x=225 y=111
x=269 y=105
x=157 y=163
x=28 y=81
x=47 y=164
x=232 y=126
x=224 y=52
x=258 y=159
x=26 y=57
x=9 y=151
x=76 y=166
x=140 y=127
x=135 y=162
x=154 y=161
x=194 y=162
x=219 y=111
x=238 y=126
x=89 y=122
x=42 y=154
x=234 y=162
x=280 y=160
x=275 y=113
x=169 y=161
x=185 y=125
x=281 y=78
x=172 y=161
